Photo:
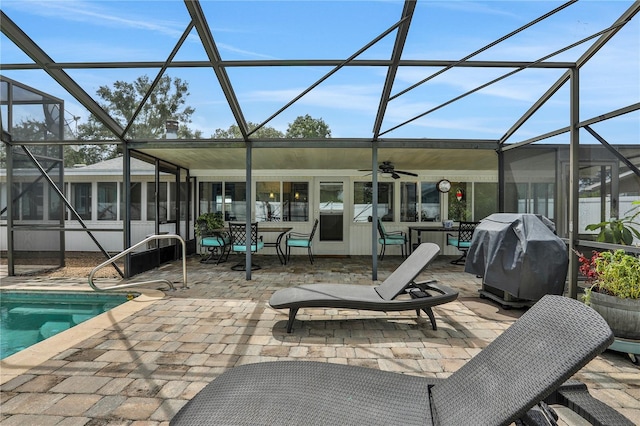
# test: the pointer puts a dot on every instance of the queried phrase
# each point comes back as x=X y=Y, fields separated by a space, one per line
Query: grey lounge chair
x=527 y=363
x=421 y=296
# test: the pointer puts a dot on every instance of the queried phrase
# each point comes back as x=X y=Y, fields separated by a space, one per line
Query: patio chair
x=218 y=246
x=296 y=239
x=421 y=295
x=526 y=364
x=462 y=240
x=239 y=236
x=393 y=238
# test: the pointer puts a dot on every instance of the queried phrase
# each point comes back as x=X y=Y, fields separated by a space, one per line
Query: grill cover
x=519 y=254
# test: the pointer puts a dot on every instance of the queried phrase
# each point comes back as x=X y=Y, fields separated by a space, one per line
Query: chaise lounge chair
x=421 y=295
x=527 y=363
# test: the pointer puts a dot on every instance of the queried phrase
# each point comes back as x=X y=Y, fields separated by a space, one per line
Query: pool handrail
x=132 y=248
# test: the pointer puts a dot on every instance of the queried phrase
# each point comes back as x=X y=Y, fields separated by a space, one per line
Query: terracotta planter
x=622 y=315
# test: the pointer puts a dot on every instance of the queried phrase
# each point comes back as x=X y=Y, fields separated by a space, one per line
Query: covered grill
x=518 y=256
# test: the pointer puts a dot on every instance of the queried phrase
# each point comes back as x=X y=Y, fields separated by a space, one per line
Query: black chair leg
x=461 y=260
x=310 y=256
x=292 y=316
x=241 y=266
x=432 y=317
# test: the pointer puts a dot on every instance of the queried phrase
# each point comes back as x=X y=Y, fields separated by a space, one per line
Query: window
x=268 y=205
x=171 y=202
x=210 y=194
x=363 y=199
x=295 y=201
x=485 y=200
x=135 y=209
x=429 y=202
x=107 y=200
x=235 y=201
x=81 y=200
x=3 y=201
x=162 y=201
x=408 y=202
x=459 y=200
x=183 y=196
x=55 y=204
x=32 y=201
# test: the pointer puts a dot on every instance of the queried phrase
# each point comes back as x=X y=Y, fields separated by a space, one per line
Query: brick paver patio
x=140 y=369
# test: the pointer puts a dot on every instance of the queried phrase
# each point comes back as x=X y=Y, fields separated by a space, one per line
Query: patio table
x=419 y=229
x=282 y=231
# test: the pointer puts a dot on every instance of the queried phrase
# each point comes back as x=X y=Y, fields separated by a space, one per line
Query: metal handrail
x=132 y=248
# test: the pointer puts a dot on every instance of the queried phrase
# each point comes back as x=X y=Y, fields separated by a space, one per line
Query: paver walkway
x=141 y=369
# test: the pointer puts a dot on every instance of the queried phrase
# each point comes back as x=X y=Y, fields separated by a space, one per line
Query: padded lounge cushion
x=395 y=284
x=526 y=363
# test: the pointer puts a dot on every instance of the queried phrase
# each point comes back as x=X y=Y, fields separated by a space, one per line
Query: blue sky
x=87 y=31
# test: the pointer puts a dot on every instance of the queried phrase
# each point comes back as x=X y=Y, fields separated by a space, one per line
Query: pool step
x=51 y=328
x=51 y=310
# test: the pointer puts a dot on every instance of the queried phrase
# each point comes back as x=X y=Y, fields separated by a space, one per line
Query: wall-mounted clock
x=444 y=185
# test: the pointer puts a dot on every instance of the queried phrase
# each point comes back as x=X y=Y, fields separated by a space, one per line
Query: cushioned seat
x=240 y=236
x=424 y=295
x=296 y=239
x=462 y=240
x=214 y=243
x=527 y=364
x=393 y=238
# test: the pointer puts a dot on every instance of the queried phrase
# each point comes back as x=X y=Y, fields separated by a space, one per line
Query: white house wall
x=357 y=234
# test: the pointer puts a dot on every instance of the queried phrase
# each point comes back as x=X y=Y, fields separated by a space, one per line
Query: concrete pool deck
x=139 y=369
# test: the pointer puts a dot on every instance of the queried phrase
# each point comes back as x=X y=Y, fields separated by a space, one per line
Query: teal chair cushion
x=391 y=241
x=454 y=242
x=215 y=241
x=292 y=242
x=253 y=247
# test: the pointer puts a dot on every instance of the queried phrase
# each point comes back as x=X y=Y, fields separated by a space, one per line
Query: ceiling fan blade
x=395 y=175
x=406 y=173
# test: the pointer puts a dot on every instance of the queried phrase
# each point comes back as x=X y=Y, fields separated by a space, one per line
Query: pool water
x=29 y=317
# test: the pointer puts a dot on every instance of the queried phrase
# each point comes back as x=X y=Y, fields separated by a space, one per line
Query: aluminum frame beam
x=31 y=49
x=297 y=63
x=591 y=51
x=206 y=37
x=398 y=47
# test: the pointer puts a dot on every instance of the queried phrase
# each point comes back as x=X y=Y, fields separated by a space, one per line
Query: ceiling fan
x=387 y=167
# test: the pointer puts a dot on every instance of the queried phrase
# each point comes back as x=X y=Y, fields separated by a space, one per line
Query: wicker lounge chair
x=421 y=295
x=527 y=363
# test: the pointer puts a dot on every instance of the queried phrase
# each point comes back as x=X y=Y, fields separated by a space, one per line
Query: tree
x=166 y=102
x=302 y=127
x=233 y=132
x=308 y=127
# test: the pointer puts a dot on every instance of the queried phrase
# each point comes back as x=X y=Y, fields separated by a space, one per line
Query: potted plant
x=618 y=231
x=615 y=290
x=206 y=223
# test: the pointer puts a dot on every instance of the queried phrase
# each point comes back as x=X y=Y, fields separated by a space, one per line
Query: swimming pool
x=29 y=317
